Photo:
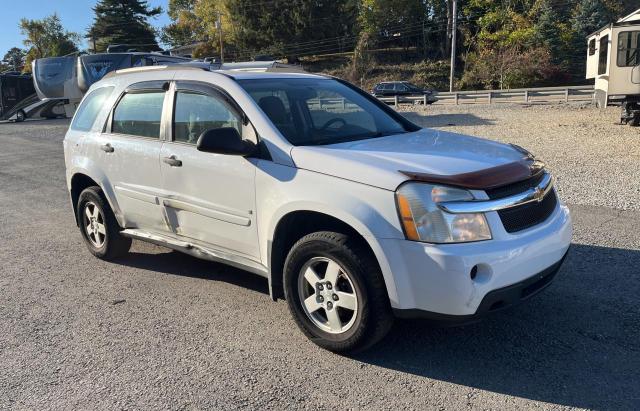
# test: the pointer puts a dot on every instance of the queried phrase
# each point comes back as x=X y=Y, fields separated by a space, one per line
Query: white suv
x=354 y=214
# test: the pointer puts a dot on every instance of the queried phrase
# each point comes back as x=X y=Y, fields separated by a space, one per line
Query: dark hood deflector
x=486 y=179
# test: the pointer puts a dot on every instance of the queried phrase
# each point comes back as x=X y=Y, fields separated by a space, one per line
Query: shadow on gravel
x=446 y=120
x=176 y=263
x=576 y=344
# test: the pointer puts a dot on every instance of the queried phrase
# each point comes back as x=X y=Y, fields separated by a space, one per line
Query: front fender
x=369 y=210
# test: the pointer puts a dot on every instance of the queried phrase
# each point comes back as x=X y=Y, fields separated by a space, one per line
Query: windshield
x=310 y=111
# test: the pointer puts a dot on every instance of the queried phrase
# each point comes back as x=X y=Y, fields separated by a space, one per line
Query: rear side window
x=89 y=109
x=139 y=114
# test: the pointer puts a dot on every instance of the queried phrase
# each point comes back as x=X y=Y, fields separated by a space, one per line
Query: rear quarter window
x=90 y=108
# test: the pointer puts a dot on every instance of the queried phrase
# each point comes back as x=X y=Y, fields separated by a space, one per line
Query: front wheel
x=336 y=293
x=99 y=227
x=20 y=116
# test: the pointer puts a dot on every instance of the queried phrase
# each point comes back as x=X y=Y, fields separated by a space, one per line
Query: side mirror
x=635 y=75
x=225 y=140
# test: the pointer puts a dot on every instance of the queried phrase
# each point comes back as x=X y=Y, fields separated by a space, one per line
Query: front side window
x=90 y=108
x=139 y=114
x=629 y=49
x=310 y=111
x=604 y=55
x=196 y=113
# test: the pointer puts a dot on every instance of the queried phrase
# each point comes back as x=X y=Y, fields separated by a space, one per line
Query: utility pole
x=454 y=35
x=219 y=24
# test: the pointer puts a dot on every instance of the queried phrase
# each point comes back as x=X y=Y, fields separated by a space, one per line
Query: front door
x=208 y=197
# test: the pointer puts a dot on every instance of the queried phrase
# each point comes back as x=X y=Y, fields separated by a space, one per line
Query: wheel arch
x=81 y=179
x=296 y=224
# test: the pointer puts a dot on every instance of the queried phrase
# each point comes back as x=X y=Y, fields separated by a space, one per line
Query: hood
x=387 y=162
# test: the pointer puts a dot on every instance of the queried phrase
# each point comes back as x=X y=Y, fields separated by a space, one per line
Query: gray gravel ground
x=160 y=330
x=595 y=159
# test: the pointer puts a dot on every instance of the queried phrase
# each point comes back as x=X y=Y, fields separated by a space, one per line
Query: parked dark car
x=402 y=89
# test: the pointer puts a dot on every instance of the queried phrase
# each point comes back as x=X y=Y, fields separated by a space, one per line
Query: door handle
x=107 y=148
x=172 y=161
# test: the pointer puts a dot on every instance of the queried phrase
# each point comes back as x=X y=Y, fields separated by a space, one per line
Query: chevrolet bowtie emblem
x=539 y=194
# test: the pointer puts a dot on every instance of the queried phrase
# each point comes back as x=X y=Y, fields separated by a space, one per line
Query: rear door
x=209 y=197
x=128 y=151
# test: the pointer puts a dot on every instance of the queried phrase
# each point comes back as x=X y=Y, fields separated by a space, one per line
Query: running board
x=198 y=251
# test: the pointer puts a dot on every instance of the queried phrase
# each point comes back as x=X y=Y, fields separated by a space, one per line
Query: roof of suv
x=243 y=74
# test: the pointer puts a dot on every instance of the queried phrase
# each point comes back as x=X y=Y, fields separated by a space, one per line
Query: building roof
x=635 y=16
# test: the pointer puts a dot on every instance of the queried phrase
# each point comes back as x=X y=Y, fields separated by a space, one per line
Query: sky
x=76 y=15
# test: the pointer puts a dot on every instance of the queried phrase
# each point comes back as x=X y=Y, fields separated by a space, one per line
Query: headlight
x=424 y=221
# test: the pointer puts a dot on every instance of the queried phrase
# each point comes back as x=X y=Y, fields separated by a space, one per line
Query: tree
x=123 y=22
x=283 y=29
x=508 y=67
x=14 y=58
x=47 y=38
x=186 y=27
x=362 y=60
x=395 y=23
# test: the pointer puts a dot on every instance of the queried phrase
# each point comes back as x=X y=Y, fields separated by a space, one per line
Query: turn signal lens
x=407 y=218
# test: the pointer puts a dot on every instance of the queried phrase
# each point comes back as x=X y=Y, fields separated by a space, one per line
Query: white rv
x=613 y=60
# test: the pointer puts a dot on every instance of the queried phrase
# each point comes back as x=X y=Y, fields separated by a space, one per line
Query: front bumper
x=459 y=279
x=494 y=301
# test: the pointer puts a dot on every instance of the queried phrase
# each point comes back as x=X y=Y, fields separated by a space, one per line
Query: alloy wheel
x=327 y=295
x=94 y=224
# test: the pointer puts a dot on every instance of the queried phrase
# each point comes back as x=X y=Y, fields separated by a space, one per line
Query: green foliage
x=291 y=27
x=502 y=43
x=123 y=22
x=14 y=59
x=185 y=28
x=47 y=38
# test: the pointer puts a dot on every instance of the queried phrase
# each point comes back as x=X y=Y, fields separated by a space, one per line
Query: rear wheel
x=99 y=227
x=335 y=292
x=20 y=116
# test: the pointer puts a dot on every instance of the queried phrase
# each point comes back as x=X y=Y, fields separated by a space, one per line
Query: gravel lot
x=160 y=330
x=595 y=159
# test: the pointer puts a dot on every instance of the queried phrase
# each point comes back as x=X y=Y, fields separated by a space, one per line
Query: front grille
x=528 y=215
x=515 y=188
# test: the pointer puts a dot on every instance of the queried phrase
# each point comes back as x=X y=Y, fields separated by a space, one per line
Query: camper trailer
x=14 y=88
x=70 y=77
x=613 y=60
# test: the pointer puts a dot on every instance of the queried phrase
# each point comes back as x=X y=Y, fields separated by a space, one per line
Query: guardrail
x=529 y=95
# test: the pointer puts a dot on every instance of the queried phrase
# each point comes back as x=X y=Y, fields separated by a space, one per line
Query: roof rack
x=152 y=68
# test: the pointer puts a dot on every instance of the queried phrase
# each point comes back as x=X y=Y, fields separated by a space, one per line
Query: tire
x=635 y=121
x=359 y=286
x=98 y=226
x=20 y=116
